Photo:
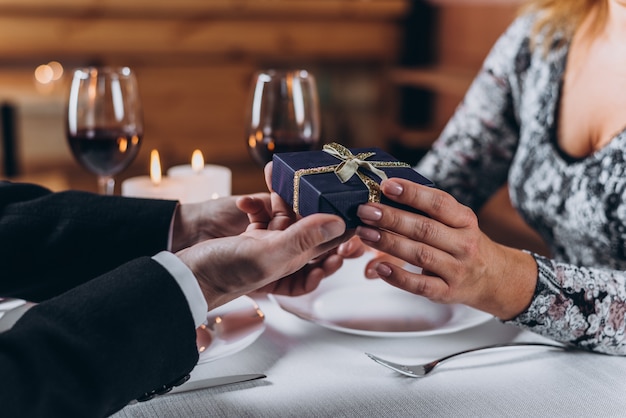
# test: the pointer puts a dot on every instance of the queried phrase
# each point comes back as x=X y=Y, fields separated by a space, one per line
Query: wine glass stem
x=106 y=185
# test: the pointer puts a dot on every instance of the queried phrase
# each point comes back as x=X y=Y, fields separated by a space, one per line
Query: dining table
x=313 y=370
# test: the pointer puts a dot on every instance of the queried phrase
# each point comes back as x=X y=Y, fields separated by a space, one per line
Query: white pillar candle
x=204 y=181
x=155 y=186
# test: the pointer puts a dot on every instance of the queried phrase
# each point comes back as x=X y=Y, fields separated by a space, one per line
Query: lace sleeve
x=577 y=305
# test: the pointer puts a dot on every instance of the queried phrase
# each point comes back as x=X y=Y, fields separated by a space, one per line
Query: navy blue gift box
x=310 y=180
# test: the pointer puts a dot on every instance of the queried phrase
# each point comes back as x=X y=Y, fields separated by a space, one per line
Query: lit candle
x=204 y=181
x=155 y=186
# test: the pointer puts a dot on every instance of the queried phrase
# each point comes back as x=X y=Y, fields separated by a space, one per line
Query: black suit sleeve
x=91 y=350
x=51 y=242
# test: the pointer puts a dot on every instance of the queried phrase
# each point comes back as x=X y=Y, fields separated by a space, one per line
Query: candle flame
x=122 y=144
x=197 y=161
x=155 y=167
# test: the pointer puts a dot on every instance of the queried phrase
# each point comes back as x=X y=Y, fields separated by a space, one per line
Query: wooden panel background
x=194 y=60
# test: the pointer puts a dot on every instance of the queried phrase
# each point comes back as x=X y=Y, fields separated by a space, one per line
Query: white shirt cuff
x=187 y=282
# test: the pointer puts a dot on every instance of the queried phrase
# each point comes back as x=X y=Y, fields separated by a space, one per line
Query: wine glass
x=283 y=113
x=104 y=121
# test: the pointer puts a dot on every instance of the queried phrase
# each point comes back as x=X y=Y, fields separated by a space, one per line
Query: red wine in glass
x=104 y=121
x=283 y=114
x=104 y=151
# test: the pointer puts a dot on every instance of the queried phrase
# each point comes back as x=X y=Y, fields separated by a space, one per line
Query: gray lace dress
x=505 y=130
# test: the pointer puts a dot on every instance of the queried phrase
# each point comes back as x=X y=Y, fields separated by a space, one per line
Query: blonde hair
x=563 y=17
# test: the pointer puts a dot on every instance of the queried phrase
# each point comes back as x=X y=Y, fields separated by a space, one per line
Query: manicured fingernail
x=369 y=213
x=344 y=247
x=333 y=229
x=383 y=270
x=368 y=234
x=371 y=273
x=393 y=188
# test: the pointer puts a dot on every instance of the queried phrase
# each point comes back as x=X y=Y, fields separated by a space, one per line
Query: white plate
x=229 y=329
x=350 y=303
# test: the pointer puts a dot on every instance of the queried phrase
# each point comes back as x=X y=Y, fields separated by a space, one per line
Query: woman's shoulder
x=518 y=47
x=522 y=26
x=517 y=35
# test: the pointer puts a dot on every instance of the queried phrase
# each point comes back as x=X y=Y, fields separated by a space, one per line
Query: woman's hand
x=460 y=264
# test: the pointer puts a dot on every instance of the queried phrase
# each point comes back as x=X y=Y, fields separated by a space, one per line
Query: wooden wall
x=194 y=60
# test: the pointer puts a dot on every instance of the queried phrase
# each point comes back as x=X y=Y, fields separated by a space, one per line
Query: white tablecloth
x=315 y=372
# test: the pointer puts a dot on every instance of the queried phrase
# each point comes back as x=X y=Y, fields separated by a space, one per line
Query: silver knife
x=216 y=381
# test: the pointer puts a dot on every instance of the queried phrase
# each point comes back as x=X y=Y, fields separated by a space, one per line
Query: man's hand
x=271 y=260
x=217 y=218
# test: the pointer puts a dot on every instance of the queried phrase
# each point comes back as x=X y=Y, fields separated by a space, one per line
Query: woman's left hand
x=460 y=263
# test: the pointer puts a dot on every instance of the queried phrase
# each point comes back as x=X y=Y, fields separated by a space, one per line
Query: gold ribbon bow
x=349 y=166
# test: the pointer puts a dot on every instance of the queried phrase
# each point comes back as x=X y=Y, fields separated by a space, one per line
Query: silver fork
x=422 y=370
